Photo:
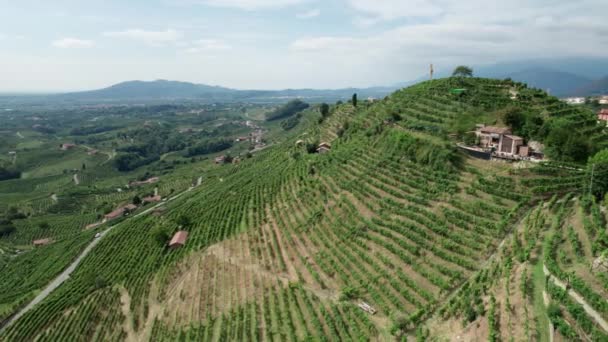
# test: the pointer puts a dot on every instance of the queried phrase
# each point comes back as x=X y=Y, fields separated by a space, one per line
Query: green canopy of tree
x=291 y=122
x=597 y=170
x=290 y=108
x=324 y=109
x=463 y=71
x=8 y=173
x=565 y=143
x=209 y=146
x=136 y=200
x=161 y=234
x=184 y=221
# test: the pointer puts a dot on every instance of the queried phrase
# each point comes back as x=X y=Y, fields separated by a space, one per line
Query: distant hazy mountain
x=562 y=77
x=557 y=83
x=598 y=87
x=159 y=89
x=162 y=90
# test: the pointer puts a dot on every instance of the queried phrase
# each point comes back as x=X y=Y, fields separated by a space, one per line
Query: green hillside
x=287 y=244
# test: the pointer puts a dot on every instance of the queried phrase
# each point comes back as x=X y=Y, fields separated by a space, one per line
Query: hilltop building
x=67 y=146
x=178 y=240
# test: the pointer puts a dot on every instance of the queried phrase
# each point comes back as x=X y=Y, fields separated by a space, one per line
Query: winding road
x=65 y=275
x=579 y=299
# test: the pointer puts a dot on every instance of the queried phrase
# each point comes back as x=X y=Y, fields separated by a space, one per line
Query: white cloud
x=153 y=38
x=309 y=14
x=393 y=9
x=248 y=5
x=66 y=43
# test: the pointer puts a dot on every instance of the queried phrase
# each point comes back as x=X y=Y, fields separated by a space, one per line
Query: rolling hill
x=393 y=234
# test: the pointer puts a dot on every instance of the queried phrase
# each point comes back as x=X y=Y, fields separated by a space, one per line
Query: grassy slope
x=393 y=211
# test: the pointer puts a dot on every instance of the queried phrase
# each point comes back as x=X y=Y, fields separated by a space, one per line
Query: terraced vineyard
x=290 y=245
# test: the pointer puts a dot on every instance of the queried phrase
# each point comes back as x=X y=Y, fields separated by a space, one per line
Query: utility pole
x=432 y=71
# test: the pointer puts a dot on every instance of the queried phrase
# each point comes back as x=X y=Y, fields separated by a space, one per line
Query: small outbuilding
x=92 y=225
x=42 y=242
x=324 y=148
x=178 y=240
x=114 y=214
x=152 y=199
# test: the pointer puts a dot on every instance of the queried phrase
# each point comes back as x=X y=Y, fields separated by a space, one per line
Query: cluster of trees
x=130 y=161
x=7 y=172
x=6 y=221
x=597 y=171
x=86 y=130
x=209 y=146
x=151 y=144
x=289 y=109
x=44 y=129
x=291 y=122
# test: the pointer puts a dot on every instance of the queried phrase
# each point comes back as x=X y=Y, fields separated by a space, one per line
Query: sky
x=67 y=45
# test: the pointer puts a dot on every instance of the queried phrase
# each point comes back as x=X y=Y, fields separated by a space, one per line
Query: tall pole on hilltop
x=432 y=71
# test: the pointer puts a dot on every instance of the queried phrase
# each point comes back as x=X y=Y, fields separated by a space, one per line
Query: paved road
x=65 y=275
x=579 y=299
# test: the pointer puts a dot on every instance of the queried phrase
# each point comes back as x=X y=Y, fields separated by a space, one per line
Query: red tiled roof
x=179 y=238
x=130 y=206
x=603 y=117
x=603 y=111
x=114 y=214
x=152 y=199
